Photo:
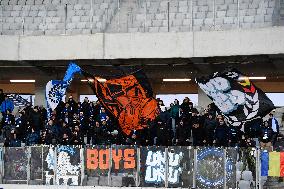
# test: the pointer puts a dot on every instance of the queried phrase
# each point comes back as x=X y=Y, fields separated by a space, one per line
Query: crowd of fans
x=182 y=122
x=73 y=123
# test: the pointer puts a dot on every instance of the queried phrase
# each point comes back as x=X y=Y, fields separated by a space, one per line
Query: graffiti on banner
x=180 y=172
x=36 y=163
x=211 y=160
x=15 y=164
x=156 y=165
x=153 y=166
x=67 y=171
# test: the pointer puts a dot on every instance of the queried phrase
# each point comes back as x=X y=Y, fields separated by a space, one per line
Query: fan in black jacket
x=221 y=134
x=266 y=135
x=197 y=130
x=210 y=125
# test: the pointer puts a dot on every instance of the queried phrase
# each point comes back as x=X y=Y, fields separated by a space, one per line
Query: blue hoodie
x=7 y=105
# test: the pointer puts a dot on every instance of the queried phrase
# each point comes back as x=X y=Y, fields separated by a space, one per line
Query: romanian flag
x=272 y=164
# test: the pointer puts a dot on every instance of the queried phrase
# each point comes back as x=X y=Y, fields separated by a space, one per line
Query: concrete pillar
x=73 y=90
x=203 y=99
x=40 y=93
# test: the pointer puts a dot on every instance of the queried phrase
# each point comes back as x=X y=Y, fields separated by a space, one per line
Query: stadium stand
x=53 y=17
x=56 y=17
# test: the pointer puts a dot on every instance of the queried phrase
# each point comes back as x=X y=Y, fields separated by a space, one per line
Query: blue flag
x=71 y=71
x=56 y=89
x=264 y=163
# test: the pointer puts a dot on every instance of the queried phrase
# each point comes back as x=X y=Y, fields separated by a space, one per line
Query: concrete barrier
x=143 y=45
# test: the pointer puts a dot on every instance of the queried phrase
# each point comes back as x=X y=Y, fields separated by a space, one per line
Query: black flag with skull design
x=236 y=96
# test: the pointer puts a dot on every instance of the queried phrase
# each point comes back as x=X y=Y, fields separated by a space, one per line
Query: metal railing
x=153 y=166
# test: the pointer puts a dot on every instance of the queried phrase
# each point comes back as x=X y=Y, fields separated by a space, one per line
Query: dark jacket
x=43 y=113
x=266 y=134
x=32 y=139
x=210 y=126
x=221 y=134
x=234 y=134
x=77 y=138
x=21 y=126
x=73 y=106
x=86 y=108
x=56 y=132
x=66 y=130
x=96 y=110
x=99 y=135
x=8 y=119
x=185 y=108
x=15 y=143
x=36 y=120
x=197 y=131
x=183 y=132
x=45 y=140
x=253 y=128
x=65 y=141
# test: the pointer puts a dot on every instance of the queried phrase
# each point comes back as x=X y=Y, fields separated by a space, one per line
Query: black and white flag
x=236 y=96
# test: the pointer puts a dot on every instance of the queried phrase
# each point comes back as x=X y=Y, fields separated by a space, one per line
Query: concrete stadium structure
x=53 y=17
x=188 y=38
x=168 y=38
x=185 y=38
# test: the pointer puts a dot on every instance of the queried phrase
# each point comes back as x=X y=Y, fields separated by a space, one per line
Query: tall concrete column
x=203 y=99
x=73 y=90
x=40 y=93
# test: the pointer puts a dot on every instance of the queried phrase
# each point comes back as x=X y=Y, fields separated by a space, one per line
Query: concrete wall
x=53 y=17
x=143 y=45
x=16 y=186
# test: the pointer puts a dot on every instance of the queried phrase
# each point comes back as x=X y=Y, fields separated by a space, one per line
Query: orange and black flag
x=129 y=99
